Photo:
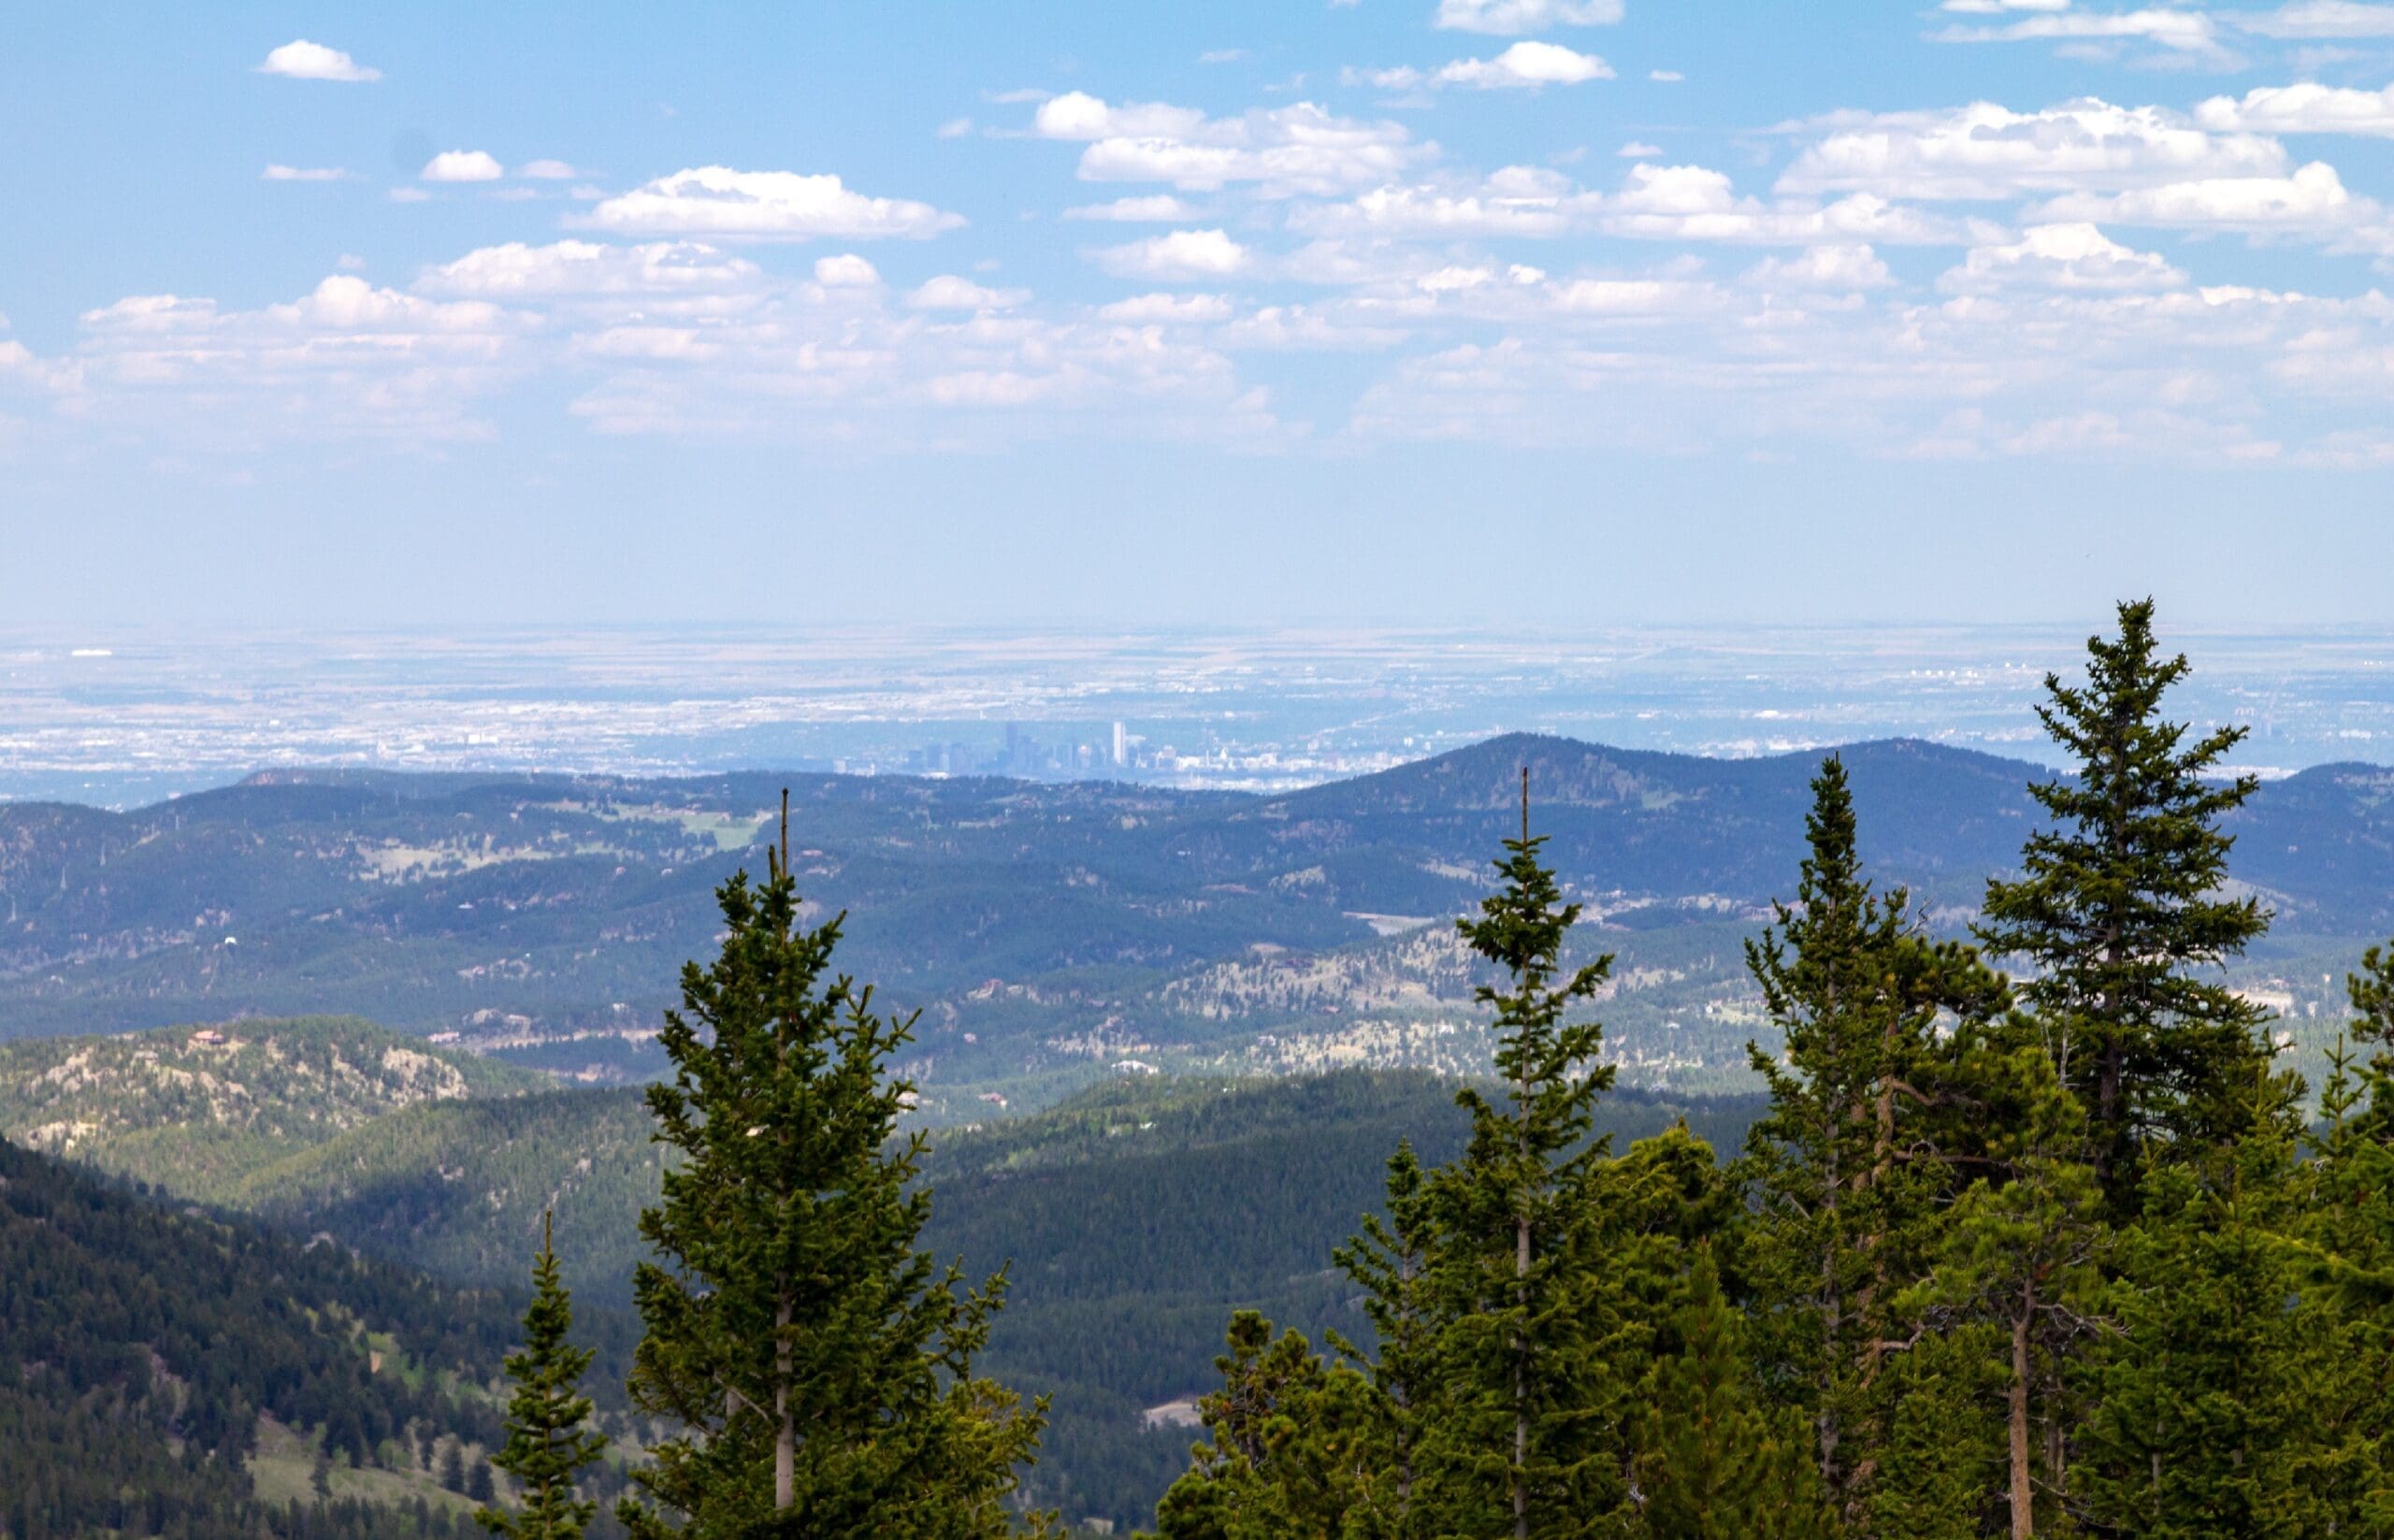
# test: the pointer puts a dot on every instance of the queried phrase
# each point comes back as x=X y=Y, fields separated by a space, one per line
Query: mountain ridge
x=1047 y=930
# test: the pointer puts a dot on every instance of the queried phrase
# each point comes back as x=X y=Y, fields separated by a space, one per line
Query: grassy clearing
x=282 y=1469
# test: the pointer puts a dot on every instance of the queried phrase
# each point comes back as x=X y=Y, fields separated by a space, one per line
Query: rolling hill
x=198 y=1109
x=1051 y=931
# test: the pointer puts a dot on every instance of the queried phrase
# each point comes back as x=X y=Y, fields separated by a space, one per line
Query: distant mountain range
x=1049 y=931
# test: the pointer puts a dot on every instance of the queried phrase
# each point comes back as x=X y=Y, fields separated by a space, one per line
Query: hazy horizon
x=113 y=716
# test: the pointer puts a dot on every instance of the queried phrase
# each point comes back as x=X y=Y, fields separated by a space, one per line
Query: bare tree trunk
x=785 y=1428
x=785 y=1418
x=1883 y=1159
x=1832 y=1318
x=2024 y=1522
x=1521 y=1388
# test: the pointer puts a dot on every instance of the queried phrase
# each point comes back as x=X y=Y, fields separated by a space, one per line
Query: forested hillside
x=1133 y=1215
x=1137 y=1216
x=164 y=1372
x=459 y=1187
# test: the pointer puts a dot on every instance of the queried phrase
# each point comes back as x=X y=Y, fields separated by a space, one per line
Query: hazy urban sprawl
x=122 y=719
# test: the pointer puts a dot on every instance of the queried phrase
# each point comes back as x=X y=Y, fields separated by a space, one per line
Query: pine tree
x=1712 y=1462
x=1289 y=1442
x=2021 y=1253
x=1393 y=1261
x=2224 y=1392
x=2371 y=993
x=2345 y=1228
x=821 y=1365
x=2117 y=904
x=547 y=1444
x=1846 y=1170
x=1530 y=1438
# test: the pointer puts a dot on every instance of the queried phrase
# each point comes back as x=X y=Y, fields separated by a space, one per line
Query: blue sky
x=1463 y=312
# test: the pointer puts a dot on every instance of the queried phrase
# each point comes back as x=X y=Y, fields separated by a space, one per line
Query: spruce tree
x=547 y=1444
x=1847 y=1171
x=2344 y=1229
x=2223 y=1396
x=1530 y=1439
x=1712 y=1462
x=1291 y=1442
x=2118 y=905
x=1393 y=1261
x=820 y=1364
x=2022 y=1255
x=2371 y=993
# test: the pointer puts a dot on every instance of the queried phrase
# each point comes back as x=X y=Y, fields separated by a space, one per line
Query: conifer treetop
x=548 y=1439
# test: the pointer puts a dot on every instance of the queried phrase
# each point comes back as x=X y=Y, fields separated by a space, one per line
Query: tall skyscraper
x=1121 y=745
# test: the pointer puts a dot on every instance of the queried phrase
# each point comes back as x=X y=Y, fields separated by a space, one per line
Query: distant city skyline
x=133 y=717
x=1449 y=313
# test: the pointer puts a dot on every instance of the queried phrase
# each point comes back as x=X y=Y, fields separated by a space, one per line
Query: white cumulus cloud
x=1182 y=254
x=2074 y=258
x=1513 y=18
x=348 y=360
x=517 y=271
x=2313 y=198
x=462 y=166
x=1987 y=152
x=1526 y=65
x=1697 y=203
x=278 y=172
x=1516 y=201
x=947 y=291
x=1291 y=150
x=548 y=171
x=845 y=271
x=1077 y=115
x=717 y=200
x=301 y=60
x=1830 y=267
x=2307 y=108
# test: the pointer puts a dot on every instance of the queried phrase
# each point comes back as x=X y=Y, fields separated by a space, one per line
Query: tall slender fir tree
x=1530 y=1439
x=820 y=1364
x=1846 y=1169
x=2022 y=1253
x=2218 y=1403
x=2119 y=906
x=1292 y=1443
x=1393 y=1261
x=548 y=1444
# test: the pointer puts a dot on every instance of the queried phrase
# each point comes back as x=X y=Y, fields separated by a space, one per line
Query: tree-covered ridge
x=1045 y=930
x=145 y=1354
x=199 y=1109
x=461 y=1189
